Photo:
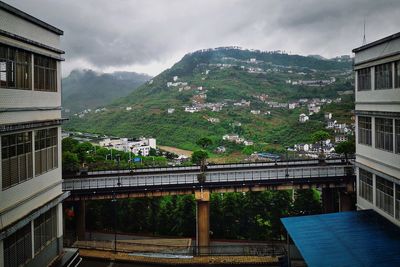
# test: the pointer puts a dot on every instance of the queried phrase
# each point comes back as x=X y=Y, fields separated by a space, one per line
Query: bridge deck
x=216 y=177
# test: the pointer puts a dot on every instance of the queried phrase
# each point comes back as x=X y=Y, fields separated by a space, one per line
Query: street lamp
x=118 y=157
x=287 y=162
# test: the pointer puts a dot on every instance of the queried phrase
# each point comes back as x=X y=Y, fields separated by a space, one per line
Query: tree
x=307 y=201
x=199 y=157
x=69 y=144
x=70 y=162
x=320 y=136
x=347 y=147
x=82 y=149
x=152 y=152
x=204 y=142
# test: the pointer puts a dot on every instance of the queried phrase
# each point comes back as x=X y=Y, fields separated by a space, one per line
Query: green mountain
x=228 y=84
x=84 y=89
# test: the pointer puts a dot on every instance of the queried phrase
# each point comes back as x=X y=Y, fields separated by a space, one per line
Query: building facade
x=31 y=226
x=377 y=108
x=141 y=146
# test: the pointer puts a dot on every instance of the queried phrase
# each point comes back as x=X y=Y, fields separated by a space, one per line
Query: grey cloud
x=122 y=33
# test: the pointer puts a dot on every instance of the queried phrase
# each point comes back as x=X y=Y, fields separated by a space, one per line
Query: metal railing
x=212 y=177
x=210 y=167
x=213 y=250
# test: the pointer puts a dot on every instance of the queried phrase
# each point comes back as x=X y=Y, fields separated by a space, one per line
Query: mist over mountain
x=87 y=89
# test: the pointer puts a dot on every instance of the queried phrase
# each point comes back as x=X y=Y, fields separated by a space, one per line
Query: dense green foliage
x=253 y=215
x=86 y=89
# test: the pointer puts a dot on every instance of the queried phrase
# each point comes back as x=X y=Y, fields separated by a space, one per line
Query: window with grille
x=45 y=229
x=46 y=150
x=15 y=68
x=364 y=130
x=45 y=74
x=18 y=247
x=364 y=79
x=397 y=136
x=384 y=134
x=397 y=74
x=397 y=211
x=366 y=186
x=384 y=195
x=16 y=158
x=383 y=76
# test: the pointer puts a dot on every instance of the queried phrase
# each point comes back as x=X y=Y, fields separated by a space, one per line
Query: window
x=16 y=158
x=46 y=153
x=18 y=247
x=384 y=134
x=383 y=76
x=15 y=68
x=397 y=74
x=365 y=179
x=45 y=74
x=397 y=136
x=364 y=130
x=397 y=202
x=384 y=195
x=364 y=79
x=45 y=229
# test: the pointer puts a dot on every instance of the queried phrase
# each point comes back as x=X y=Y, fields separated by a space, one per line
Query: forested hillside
x=228 y=90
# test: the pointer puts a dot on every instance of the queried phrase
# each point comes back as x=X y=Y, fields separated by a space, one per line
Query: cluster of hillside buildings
x=235 y=138
x=315 y=82
x=341 y=133
x=141 y=146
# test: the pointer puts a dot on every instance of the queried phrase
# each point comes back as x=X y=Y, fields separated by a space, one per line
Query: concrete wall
x=378 y=51
x=13 y=24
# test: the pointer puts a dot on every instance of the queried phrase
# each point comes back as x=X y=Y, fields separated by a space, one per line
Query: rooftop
x=30 y=18
x=377 y=42
x=358 y=238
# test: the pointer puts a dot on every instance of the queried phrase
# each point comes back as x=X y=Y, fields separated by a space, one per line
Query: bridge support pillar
x=81 y=220
x=346 y=201
x=203 y=220
x=328 y=200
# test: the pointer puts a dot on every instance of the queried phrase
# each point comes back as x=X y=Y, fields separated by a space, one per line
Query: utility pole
x=287 y=162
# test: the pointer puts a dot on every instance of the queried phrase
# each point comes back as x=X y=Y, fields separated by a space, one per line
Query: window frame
x=16 y=158
x=364 y=82
x=365 y=133
x=366 y=187
x=384 y=76
x=384 y=137
x=15 y=68
x=384 y=195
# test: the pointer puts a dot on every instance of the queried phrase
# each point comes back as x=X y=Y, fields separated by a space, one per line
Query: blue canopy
x=358 y=238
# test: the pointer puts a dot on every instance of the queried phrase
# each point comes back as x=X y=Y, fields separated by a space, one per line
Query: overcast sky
x=151 y=35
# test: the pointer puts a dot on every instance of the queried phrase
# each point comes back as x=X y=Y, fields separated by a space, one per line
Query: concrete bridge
x=334 y=175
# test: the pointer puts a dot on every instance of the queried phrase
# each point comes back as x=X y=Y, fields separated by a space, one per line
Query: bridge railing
x=297 y=162
x=171 y=179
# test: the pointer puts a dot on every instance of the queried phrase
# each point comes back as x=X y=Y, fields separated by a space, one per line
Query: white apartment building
x=377 y=84
x=31 y=226
x=141 y=146
x=303 y=118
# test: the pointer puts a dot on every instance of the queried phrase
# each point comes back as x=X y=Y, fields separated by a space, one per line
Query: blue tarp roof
x=358 y=238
